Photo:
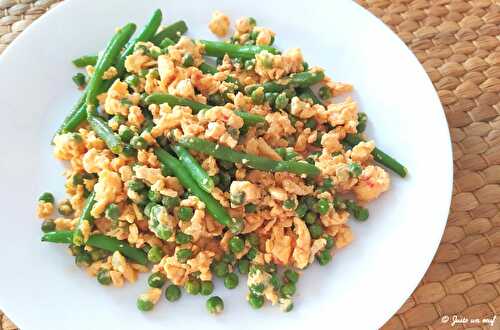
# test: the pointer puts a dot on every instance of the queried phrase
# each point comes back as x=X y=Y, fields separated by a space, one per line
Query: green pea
x=330 y=242
x=258 y=96
x=225 y=181
x=193 y=286
x=136 y=185
x=144 y=305
x=243 y=266
x=339 y=203
x=361 y=214
x=324 y=257
x=98 y=254
x=250 y=208
x=65 y=208
x=154 y=53
x=229 y=258
x=327 y=185
x=236 y=244
x=322 y=206
x=253 y=239
x=231 y=281
x=281 y=101
x=154 y=196
x=288 y=308
x=79 y=80
x=207 y=287
x=236 y=225
x=112 y=211
x=147 y=209
x=138 y=142
x=132 y=80
x=103 y=276
x=355 y=169
x=181 y=238
x=270 y=268
x=288 y=290
x=311 y=123
x=270 y=98
x=310 y=202
x=46 y=197
x=216 y=99
x=289 y=204
x=310 y=218
x=315 y=230
x=362 y=121
x=187 y=60
x=256 y=301
x=48 y=225
x=129 y=151
x=157 y=280
x=185 y=213
x=276 y=281
x=183 y=255
x=325 y=93
x=221 y=269
x=83 y=259
x=301 y=210
x=155 y=254
x=173 y=293
x=215 y=305
x=77 y=179
x=257 y=289
x=291 y=275
x=252 y=253
x=170 y=202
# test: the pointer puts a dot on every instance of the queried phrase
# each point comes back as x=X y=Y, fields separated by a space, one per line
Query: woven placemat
x=457 y=42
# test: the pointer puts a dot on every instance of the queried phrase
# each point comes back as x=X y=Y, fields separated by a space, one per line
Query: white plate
x=40 y=288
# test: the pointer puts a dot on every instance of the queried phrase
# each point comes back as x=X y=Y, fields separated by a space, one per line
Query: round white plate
x=41 y=288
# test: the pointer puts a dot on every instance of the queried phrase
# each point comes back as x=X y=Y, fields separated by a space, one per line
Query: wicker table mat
x=457 y=42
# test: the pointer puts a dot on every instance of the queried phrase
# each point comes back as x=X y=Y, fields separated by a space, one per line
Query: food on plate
x=190 y=159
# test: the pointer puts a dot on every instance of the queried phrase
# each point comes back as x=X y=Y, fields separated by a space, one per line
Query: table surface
x=458 y=43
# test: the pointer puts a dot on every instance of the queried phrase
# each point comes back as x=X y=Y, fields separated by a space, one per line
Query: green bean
x=307 y=93
x=260 y=163
x=246 y=52
x=99 y=241
x=159 y=98
x=108 y=57
x=173 y=32
x=102 y=130
x=380 y=156
x=85 y=60
x=295 y=80
x=166 y=43
x=78 y=238
x=213 y=206
x=197 y=172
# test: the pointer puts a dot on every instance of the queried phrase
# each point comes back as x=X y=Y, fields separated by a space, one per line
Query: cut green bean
x=213 y=206
x=197 y=172
x=85 y=219
x=222 y=152
x=85 y=60
x=380 y=156
x=102 y=130
x=250 y=119
x=246 y=52
x=173 y=32
x=166 y=43
x=63 y=237
x=295 y=80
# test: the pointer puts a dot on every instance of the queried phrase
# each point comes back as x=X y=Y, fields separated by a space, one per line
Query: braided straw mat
x=457 y=41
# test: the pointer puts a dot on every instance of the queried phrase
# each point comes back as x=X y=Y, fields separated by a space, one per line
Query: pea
x=183 y=255
x=327 y=184
x=310 y=202
x=46 y=197
x=322 y=206
x=112 y=211
x=276 y=281
x=252 y=253
x=250 y=208
x=136 y=185
x=83 y=259
x=236 y=225
x=253 y=239
x=225 y=181
x=48 y=226
x=258 y=96
x=193 y=286
x=243 y=266
x=173 y=293
x=361 y=214
x=362 y=120
x=310 y=218
x=229 y=258
x=291 y=275
x=281 y=101
x=215 y=305
x=324 y=257
x=147 y=209
x=355 y=169
x=181 y=238
x=155 y=254
x=129 y=151
x=216 y=99
x=132 y=80
x=98 y=254
x=315 y=230
x=154 y=53
x=77 y=179
x=144 y=305
x=103 y=276
x=231 y=281
x=257 y=289
x=170 y=202
x=288 y=290
x=220 y=269
x=236 y=244
x=339 y=203
x=301 y=210
x=154 y=196
x=289 y=204
x=311 y=123
x=79 y=80
x=325 y=93
x=185 y=213
x=288 y=307
x=207 y=287
x=157 y=280
x=330 y=241
x=256 y=301
x=270 y=268
x=138 y=142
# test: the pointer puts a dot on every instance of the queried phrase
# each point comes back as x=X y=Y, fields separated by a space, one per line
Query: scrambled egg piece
x=107 y=188
x=373 y=181
x=68 y=146
x=114 y=104
x=219 y=24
